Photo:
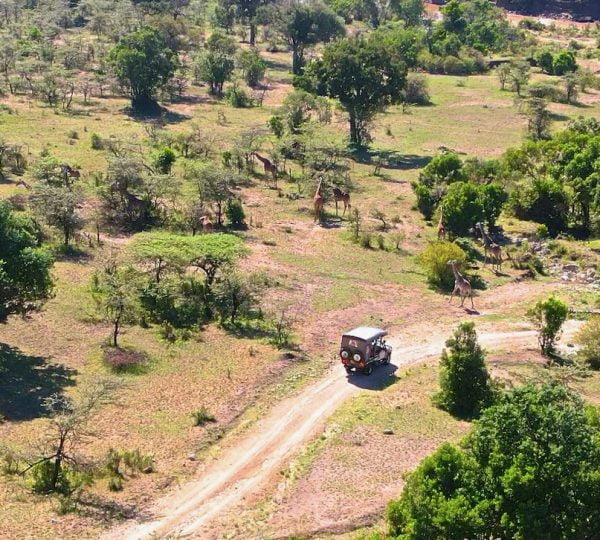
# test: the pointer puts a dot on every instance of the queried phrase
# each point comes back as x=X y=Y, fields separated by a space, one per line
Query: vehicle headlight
x=345 y=354
x=356 y=357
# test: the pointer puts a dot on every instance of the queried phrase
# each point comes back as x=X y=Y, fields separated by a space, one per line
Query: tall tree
x=303 y=24
x=246 y=11
x=143 y=63
x=365 y=75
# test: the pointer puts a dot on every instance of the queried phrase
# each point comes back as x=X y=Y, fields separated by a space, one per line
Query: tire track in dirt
x=248 y=466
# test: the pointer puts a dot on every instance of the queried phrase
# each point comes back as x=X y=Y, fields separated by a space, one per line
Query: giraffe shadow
x=471 y=311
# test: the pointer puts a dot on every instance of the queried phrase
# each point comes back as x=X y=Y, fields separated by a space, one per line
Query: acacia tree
x=115 y=292
x=59 y=206
x=25 y=278
x=365 y=75
x=548 y=316
x=303 y=24
x=64 y=434
x=246 y=11
x=143 y=63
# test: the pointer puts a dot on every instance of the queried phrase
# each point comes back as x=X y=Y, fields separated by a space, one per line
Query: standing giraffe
x=441 y=229
x=462 y=286
x=318 y=201
x=491 y=250
x=340 y=196
x=268 y=165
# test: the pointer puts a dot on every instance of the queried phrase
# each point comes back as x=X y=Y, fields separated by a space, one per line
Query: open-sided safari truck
x=363 y=348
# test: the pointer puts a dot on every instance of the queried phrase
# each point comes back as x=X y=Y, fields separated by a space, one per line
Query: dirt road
x=248 y=466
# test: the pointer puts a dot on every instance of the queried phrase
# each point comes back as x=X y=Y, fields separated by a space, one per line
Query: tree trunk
x=297 y=59
x=252 y=33
x=354 y=131
x=67 y=235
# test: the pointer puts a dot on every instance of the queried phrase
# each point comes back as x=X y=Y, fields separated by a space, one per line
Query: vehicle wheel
x=368 y=370
x=388 y=359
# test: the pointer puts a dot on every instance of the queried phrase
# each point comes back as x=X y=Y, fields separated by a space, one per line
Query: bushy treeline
x=553 y=182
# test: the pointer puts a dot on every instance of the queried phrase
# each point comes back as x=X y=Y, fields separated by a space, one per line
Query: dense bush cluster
x=533 y=451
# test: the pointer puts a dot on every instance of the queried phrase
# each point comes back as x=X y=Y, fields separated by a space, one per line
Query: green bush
x=435 y=258
x=96 y=142
x=416 y=90
x=365 y=240
x=548 y=316
x=115 y=483
x=238 y=97
x=40 y=478
x=235 y=213
x=588 y=339
x=164 y=159
x=463 y=208
x=465 y=385
x=202 y=416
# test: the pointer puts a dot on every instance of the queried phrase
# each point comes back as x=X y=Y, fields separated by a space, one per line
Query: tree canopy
x=364 y=74
x=143 y=63
x=25 y=278
x=529 y=469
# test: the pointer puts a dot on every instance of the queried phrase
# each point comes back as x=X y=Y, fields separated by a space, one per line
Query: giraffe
x=462 y=286
x=269 y=166
x=318 y=201
x=340 y=196
x=441 y=228
x=491 y=250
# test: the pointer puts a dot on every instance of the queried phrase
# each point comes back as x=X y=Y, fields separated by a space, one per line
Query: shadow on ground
x=380 y=379
x=25 y=381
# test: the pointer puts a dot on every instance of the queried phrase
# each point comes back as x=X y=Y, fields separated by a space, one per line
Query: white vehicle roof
x=366 y=333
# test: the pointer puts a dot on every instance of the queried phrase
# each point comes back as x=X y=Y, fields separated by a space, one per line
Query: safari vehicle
x=363 y=348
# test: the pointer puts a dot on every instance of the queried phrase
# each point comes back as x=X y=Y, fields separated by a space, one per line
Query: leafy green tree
x=503 y=74
x=463 y=208
x=519 y=75
x=160 y=252
x=215 y=65
x=529 y=469
x=493 y=198
x=246 y=11
x=59 y=206
x=564 y=62
x=237 y=295
x=365 y=75
x=545 y=201
x=548 y=316
x=115 y=291
x=299 y=107
x=25 y=279
x=444 y=168
x=303 y=24
x=143 y=63
x=545 y=60
x=235 y=213
x=538 y=119
x=252 y=66
x=465 y=385
x=164 y=159
x=571 y=87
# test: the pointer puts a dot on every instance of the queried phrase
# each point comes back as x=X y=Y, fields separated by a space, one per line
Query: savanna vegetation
x=198 y=198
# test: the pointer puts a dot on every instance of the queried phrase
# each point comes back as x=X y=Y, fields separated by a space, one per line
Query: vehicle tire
x=388 y=359
x=368 y=369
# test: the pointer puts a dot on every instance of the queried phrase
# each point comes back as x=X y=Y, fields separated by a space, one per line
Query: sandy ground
x=247 y=467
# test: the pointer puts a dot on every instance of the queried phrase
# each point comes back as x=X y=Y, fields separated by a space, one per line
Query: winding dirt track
x=247 y=467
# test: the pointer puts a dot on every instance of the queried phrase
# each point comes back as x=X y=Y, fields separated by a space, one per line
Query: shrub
x=455 y=66
x=121 y=360
x=463 y=208
x=115 y=483
x=96 y=142
x=588 y=339
x=380 y=241
x=41 y=479
x=365 y=240
x=202 y=416
x=417 y=89
x=564 y=62
x=426 y=202
x=435 y=258
x=465 y=385
x=548 y=317
x=235 y=213
x=544 y=90
x=164 y=159
x=238 y=97
x=73 y=134
x=542 y=231
x=467 y=245
x=252 y=66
